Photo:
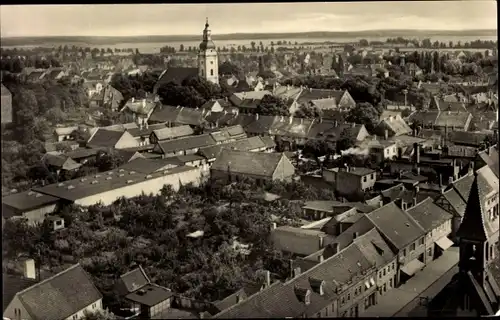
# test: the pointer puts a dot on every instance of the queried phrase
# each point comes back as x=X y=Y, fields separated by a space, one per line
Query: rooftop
x=28 y=200
x=150 y=295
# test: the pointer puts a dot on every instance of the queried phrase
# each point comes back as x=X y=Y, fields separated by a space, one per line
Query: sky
x=187 y=19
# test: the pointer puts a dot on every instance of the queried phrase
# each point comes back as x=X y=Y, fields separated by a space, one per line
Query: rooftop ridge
x=48 y=279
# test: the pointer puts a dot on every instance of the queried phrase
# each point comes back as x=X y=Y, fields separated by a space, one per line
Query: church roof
x=473 y=225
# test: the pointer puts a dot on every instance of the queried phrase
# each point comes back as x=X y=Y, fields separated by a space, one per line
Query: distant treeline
x=82 y=41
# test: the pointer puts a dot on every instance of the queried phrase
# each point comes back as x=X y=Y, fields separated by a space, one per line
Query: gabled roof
x=476 y=224
x=396 y=225
x=290 y=126
x=60 y=161
x=467 y=137
x=133 y=280
x=12 y=285
x=247 y=144
x=60 y=296
x=143 y=107
x=310 y=94
x=374 y=248
x=396 y=125
x=147 y=166
x=243 y=162
x=5 y=91
x=186 y=143
x=428 y=214
x=27 y=200
x=456 y=201
x=490 y=157
x=105 y=138
x=458 y=119
x=173 y=132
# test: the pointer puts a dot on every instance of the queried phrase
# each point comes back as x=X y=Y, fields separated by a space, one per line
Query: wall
x=406 y=255
x=9 y=312
x=437 y=233
x=284 y=170
x=34 y=216
x=90 y=308
x=390 y=152
x=329 y=176
x=223 y=174
x=7 y=112
x=160 y=307
x=147 y=186
x=348 y=299
x=126 y=141
x=387 y=277
x=348 y=183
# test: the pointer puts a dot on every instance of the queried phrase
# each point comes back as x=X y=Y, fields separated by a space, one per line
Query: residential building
x=299 y=241
x=112 y=139
x=177 y=116
x=139 y=111
x=393 y=126
x=64 y=133
x=108 y=97
x=261 y=166
x=145 y=131
x=183 y=146
x=109 y=186
x=383 y=149
x=327 y=99
x=436 y=223
x=29 y=205
x=66 y=295
x=451 y=120
x=350 y=181
x=6 y=103
x=216 y=105
x=248 y=101
x=60 y=163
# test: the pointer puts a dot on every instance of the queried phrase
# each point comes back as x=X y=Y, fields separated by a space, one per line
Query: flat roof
x=28 y=200
x=150 y=295
x=102 y=182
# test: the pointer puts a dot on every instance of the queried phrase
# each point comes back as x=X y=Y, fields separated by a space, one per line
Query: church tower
x=475 y=234
x=208 y=61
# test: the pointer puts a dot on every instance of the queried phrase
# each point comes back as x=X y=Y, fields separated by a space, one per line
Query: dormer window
x=317 y=285
x=304 y=295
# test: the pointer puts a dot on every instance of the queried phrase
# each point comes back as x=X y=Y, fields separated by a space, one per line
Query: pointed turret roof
x=473 y=223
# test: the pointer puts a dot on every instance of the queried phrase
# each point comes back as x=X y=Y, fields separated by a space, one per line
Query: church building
x=208 y=64
x=475 y=289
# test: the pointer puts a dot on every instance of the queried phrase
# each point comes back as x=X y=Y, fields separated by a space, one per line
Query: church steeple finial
x=206 y=23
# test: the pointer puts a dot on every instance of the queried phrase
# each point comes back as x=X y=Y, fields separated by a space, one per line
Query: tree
x=345 y=141
x=273 y=106
x=364 y=113
x=318 y=148
x=309 y=112
x=181 y=47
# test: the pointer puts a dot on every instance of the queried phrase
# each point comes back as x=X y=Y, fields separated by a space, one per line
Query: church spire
x=473 y=224
x=206 y=24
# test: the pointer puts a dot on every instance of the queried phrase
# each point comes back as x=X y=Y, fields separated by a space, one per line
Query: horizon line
x=249 y=33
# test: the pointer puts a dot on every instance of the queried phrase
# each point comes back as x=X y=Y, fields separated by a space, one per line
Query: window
x=94 y=306
x=429 y=252
x=393 y=265
x=211 y=72
x=380 y=275
x=373 y=176
x=202 y=72
x=75 y=316
x=384 y=272
x=412 y=247
x=385 y=287
x=348 y=296
x=421 y=241
x=390 y=283
x=404 y=252
x=364 y=179
x=342 y=301
x=211 y=62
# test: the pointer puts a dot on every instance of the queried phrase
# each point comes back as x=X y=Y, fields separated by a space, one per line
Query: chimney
x=30 y=269
x=320 y=239
x=238 y=298
x=273 y=226
x=471 y=167
x=133 y=100
x=147 y=126
x=256 y=116
x=268 y=278
x=291 y=119
x=354 y=125
x=450 y=180
x=321 y=258
x=335 y=248
x=144 y=102
x=355 y=235
x=416 y=150
x=414 y=201
x=400 y=153
x=418 y=171
x=386 y=134
x=336 y=123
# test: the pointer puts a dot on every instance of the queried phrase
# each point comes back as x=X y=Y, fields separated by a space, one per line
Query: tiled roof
x=396 y=225
x=361 y=226
x=424 y=117
x=260 y=126
x=461 y=151
x=61 y=161
x=396 y=125
x=65 y=131
x=176 y=75
x=5 y=91
x=428 y=214
x=145 y=131
x=133 y=280
x=276 y=301
x=103 y=182
x=60 y=296
x=456 y=201
x=398 y=192
x=12 y=285
x=186 y=143
x=247 y=144
x=146 y=166
x=297 y=240
x=105 y=138
x=140 y=107
x=268 y=141
x=83 y=153
x=453 y=119
x=255 y=163
x=289 y=126
x=374 y=248
x=28 y=200
x=173 y=132
x=310 y=94
x=490 y=157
